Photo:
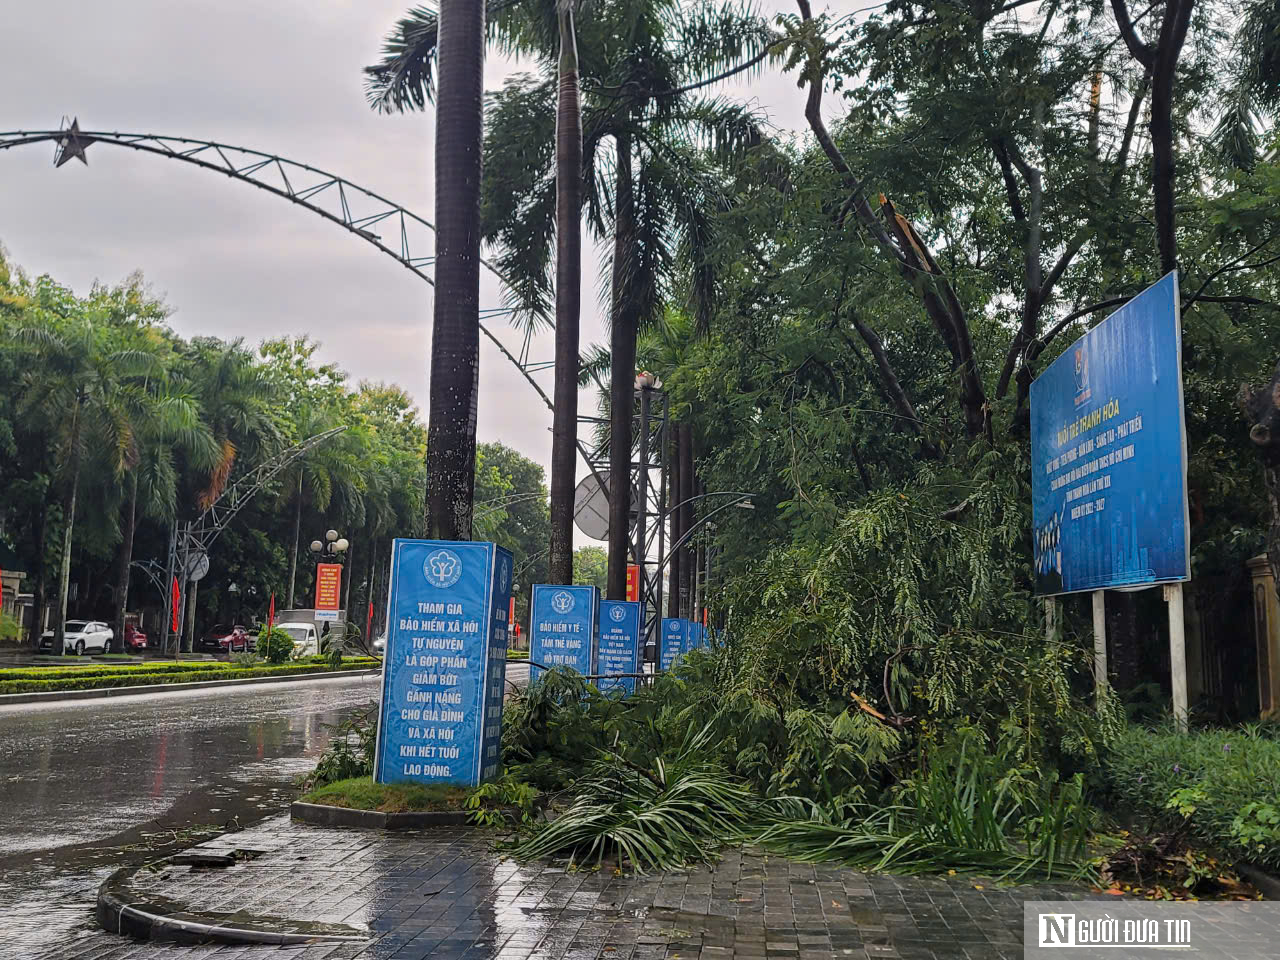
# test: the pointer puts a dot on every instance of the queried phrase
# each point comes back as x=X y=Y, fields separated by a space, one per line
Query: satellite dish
x=197 y=565
x=591 y=506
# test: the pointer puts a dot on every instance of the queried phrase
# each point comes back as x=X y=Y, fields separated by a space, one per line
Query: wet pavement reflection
x=87 y=786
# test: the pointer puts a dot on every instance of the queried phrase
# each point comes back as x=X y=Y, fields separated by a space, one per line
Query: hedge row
x=1222 y=786
x=46 y=671
x=213 y=672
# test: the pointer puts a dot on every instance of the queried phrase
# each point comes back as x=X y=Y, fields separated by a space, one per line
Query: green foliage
x=591 y=567
x=497 y=802
x=350 y=752
x=1217 y=786
x=274 y=645
x=676 y=811
x=10 y=630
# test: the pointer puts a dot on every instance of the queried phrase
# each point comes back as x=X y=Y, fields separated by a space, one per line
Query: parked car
x=134 y=638
x=225 y=638
x=380 y=644
x=306 y=641
x=80 y=637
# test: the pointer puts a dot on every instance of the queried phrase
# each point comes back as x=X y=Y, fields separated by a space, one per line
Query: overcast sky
x=282 y=77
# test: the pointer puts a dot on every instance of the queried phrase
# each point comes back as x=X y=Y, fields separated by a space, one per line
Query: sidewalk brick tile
x=446 y=894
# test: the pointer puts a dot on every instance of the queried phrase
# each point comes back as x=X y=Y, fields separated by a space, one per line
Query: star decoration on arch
x=71 y=145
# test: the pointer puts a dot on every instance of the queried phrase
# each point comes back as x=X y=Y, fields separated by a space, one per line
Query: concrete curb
x=120 y=912
x=49 y=696
x=324 y=815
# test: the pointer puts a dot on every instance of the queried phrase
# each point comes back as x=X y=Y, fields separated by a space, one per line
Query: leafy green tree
x=80 y=390
x=591 y=567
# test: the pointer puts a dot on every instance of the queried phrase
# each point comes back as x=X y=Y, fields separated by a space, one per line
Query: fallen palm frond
x=678 y=812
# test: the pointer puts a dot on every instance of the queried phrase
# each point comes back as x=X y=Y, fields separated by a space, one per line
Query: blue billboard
x=440 y=717
x=562 y=628
x=1109 y=453
x=621 y=622
x=697 y=636
x=671 y=643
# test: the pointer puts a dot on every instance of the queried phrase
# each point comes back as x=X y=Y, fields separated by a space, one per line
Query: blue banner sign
x=1109 y=453
x=672 y=642
x=562 y=627
x=697 y=636
x=619 y=651
x=440 y=718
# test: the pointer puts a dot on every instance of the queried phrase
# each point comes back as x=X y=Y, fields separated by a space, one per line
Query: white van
x=306 y=641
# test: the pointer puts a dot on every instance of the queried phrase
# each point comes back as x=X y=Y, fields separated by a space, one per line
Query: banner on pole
x=562 y=627
x=674 y=631
x=621 y=622
x=328 y=590
x=444 y=664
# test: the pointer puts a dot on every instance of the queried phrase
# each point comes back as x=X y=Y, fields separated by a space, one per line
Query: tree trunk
x=622 y=345
x=687 y=479
x=455 y=339
x=189 y=628
x=69 y=518
x=1261 y=405
x=126 y=558
x=41 y=595
x=297 y=534
x=348 y=574
x=564 y=430
x=677 y=515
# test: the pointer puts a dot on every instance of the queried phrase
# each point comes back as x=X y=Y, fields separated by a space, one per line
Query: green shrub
x=274 y=645
x=140 y=676
x=10 y=630
x=1220 y=786
x=350 y=751
x=361 y=793
x=492 y=804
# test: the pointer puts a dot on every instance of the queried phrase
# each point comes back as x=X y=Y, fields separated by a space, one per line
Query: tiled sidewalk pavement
x=445 y=894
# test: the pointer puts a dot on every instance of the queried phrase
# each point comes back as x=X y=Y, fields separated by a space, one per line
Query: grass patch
x=45 y=679
x=361 y=793
x=517 y=654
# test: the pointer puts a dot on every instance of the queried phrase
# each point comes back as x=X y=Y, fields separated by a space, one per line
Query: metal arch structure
x=199 y=534
x=335 y=198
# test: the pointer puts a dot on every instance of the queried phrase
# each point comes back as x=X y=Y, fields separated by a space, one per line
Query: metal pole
x=1177 y=652
x=664 y=450
x=168 y=585
x=642 y=507
x=1100 y=674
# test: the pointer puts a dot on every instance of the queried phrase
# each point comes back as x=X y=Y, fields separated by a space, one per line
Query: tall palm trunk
x=297 y=533
x=455 y=340
x=622 y=345
x=68 y=517
x=564 y=430
x=42 y=581
x=126 y=558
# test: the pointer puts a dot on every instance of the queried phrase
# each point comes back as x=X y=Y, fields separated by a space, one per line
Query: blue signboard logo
x=442 y=569
x=440 y=716
x=619 y=644
x=562 y=628
x=1108 y=454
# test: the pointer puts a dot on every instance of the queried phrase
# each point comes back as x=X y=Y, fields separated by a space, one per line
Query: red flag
x=176 y=598
x=271 y=612
x=368 y=624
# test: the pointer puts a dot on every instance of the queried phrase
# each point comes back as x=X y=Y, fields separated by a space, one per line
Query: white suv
x=80 y=636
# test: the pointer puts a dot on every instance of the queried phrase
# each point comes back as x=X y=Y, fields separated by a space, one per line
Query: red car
x=226 y=639
x=134 y=638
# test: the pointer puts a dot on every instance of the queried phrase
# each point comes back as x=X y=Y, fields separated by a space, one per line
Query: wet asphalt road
x=90 y=785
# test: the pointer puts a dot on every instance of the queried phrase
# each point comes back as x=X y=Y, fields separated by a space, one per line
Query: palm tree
x=564 y=426
x=167 y=424
x=79 y=388
x=640 y=61
x=455 y=336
